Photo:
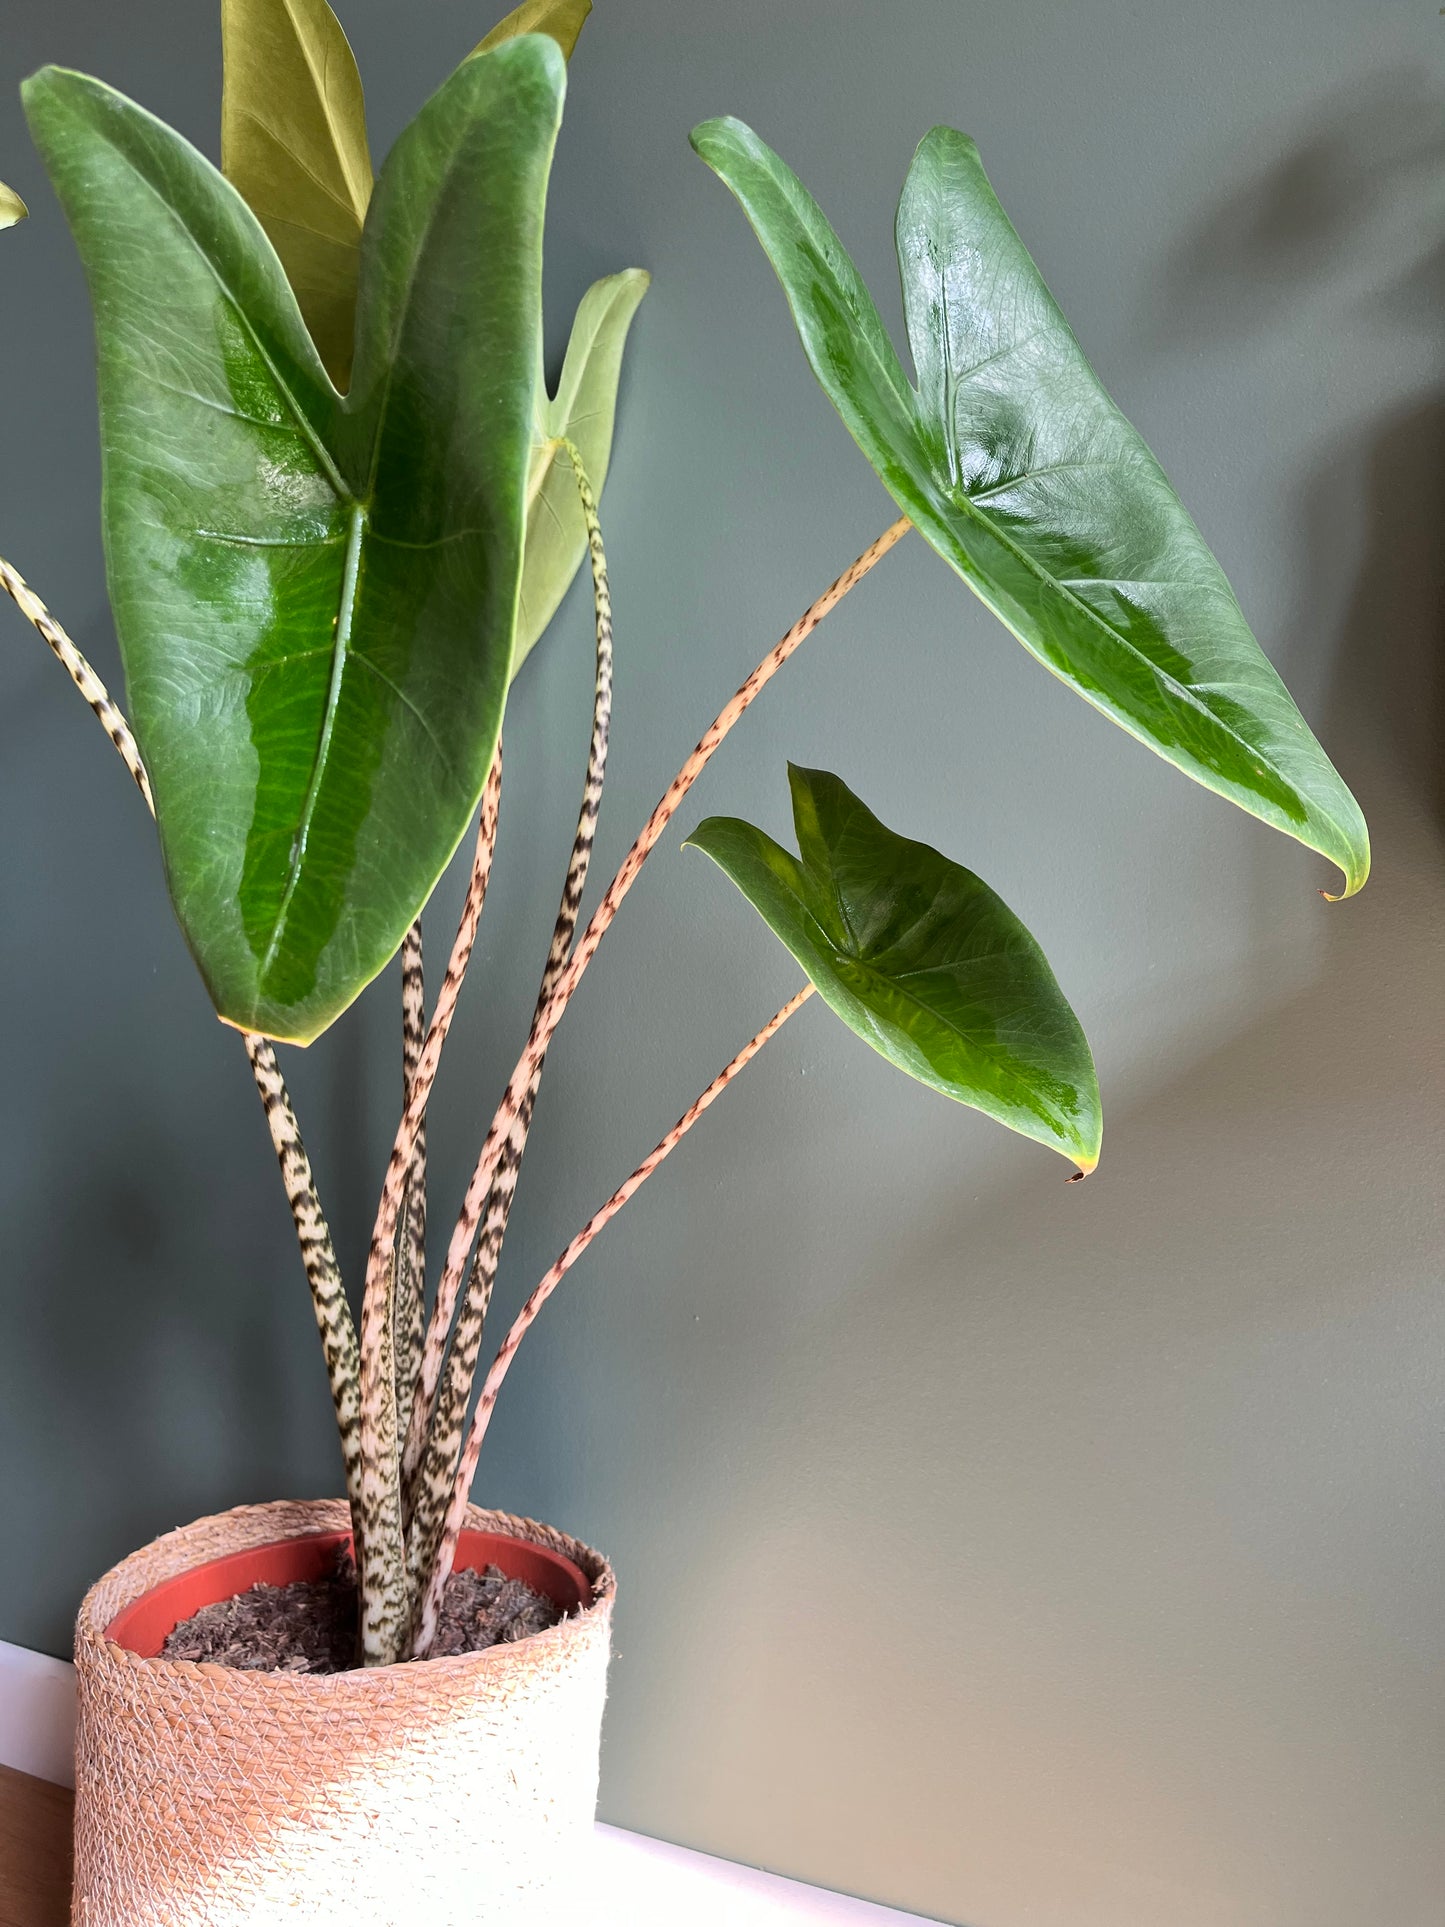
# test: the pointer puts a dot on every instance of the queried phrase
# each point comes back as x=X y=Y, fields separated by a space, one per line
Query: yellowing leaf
x=12 y=208
x=563 y=19
x=582 y=412
x=293 y=143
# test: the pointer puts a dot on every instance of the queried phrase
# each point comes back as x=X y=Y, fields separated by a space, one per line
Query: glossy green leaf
x=1015 y=465
x=293 y=144
x=12 y=208
x=562 y=19
x=922 y=960
x=582 y=411
x=315 y=598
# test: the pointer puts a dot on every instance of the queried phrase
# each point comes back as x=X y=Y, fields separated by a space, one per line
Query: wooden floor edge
x=34 y=1851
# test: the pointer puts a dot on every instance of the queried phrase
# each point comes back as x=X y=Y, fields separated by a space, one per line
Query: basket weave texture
x=457 y=1790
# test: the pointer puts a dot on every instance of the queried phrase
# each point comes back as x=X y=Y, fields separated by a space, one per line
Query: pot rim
x=170 y=1562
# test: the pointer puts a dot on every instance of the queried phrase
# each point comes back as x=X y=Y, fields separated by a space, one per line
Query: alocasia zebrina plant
x=326 y=586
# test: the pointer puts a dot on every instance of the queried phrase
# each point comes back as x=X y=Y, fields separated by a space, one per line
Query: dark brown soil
x=310 y=1627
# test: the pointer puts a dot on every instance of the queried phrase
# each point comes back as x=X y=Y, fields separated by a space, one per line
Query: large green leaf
x=315 y=598
x=12 y=208
x=582 y=412
x=922 y=960
x=562 y=19
x=1015 y=465
x=293 y=143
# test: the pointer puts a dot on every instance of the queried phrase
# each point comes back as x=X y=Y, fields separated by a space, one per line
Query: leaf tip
x=531 y=22
x=941 y=135
x=1356 y=876
x=713 y=133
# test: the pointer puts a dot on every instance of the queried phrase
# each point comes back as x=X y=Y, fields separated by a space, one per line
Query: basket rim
x=253 y=1526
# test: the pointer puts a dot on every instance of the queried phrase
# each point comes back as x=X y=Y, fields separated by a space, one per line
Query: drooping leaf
x=562 y=19
x=12 y=208
x=582 y=411
x=1015 y=465
x=922 y=960
x=293 y=143
x=315 y=598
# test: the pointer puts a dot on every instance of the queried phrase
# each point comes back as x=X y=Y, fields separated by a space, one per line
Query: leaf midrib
x=346 y=610
x=964 y=503
x=351 y=566
x=343 y=204
x=829 y=943
x=1004 y=1068
x=1186 y=695
x=358 y=204
x=350 y=569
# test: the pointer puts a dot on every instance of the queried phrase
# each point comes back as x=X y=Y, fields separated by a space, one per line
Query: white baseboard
x=646 y=1883
x=37 y=1714
x=642 y=1882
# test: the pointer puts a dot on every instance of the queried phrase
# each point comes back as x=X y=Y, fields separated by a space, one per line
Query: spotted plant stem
x=461 y=1491
x=501 y=1133
x=438 y=1416
x=318 y=1255
x=385 y=1605
x=81 y=674
x=408 y=1305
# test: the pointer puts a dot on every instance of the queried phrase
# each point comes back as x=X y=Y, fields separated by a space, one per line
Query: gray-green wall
x=1024 y=1554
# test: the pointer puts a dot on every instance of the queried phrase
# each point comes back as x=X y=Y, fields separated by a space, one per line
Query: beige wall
x=1023 y=1554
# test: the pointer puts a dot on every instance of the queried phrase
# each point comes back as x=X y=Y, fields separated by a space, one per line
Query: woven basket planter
x=448 y=1793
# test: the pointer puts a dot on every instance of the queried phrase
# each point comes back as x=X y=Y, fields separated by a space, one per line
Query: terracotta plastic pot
x=447 y=1793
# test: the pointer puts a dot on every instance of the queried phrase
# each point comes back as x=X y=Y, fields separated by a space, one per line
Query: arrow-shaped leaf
x=293 y=144
x=922 y=960
x=582 y=412
x=562 y=19
x=1017 y=467
x=315 y=598
x=12 y=208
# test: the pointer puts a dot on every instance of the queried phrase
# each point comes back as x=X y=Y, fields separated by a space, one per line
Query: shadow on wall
x=146 y=1370
x=152 y=1352
x=1188 y=1427
x=1355 y=168
x=1350 y=215
x=1386 y=724
x=1337 y=220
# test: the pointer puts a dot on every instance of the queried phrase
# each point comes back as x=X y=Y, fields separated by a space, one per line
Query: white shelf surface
x=637 y=1882
x=646 y=1883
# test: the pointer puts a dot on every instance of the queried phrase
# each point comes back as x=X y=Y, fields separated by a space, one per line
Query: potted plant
x=339 y=507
